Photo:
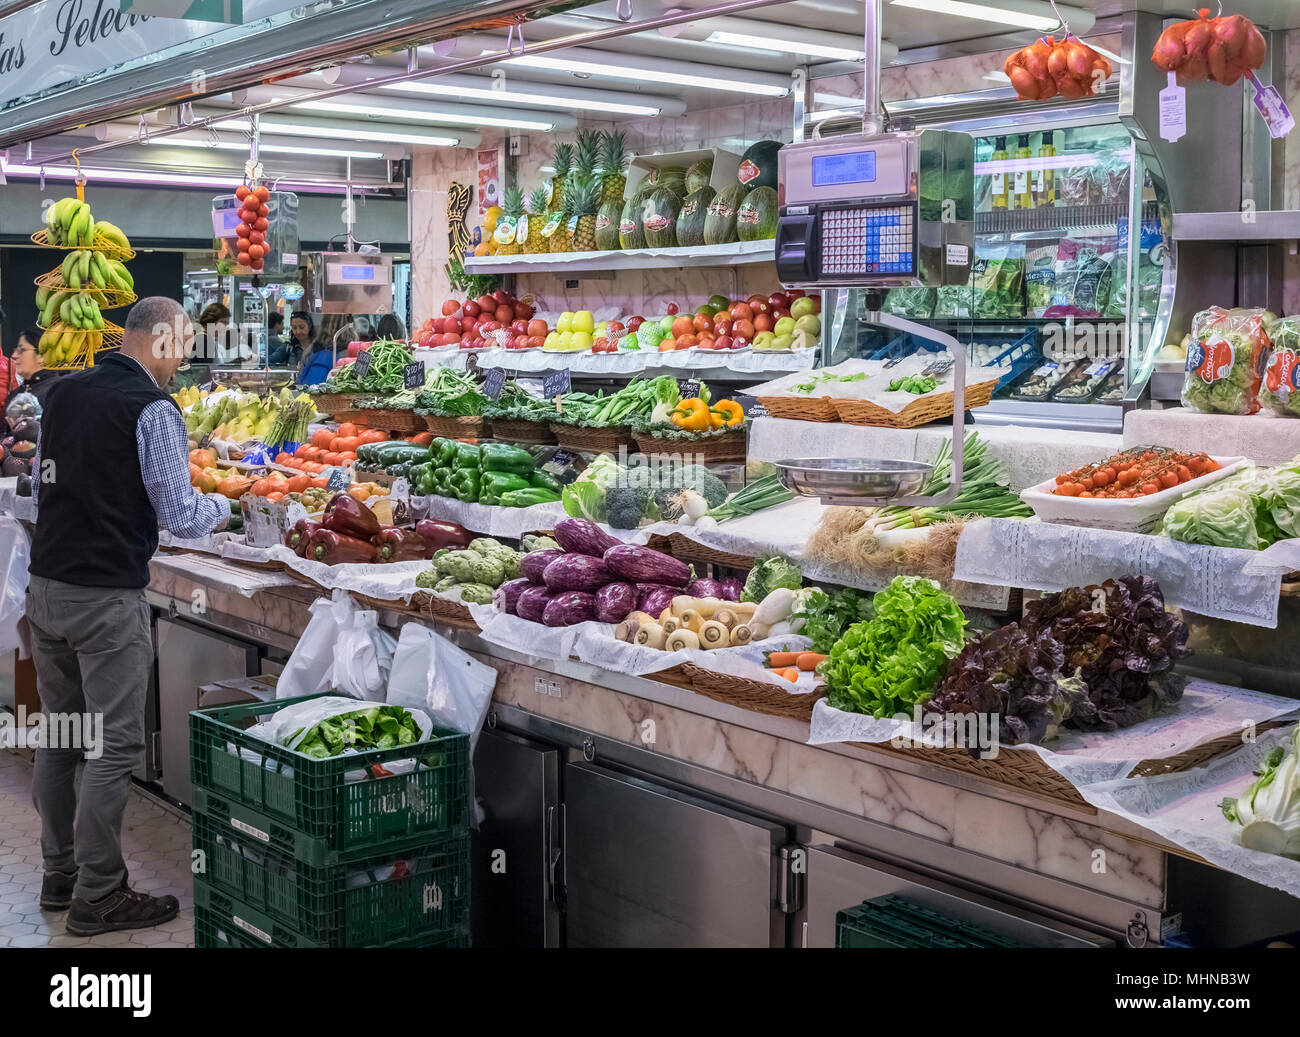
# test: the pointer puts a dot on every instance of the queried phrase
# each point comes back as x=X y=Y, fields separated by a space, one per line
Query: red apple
x=536 y=341
x=519 y=327
x=504 y=314
x=471 y=308
x=489 y=326
x=501 y=296
x=536 y=328
x=487 y=304
x=741 y=311
x=723 y=342
x=466 y=325
x=763 y=322
x=777 y=314
x=427 y=325
x=739 y=342
x=702 y=322
x=672 y=309
x=742 y=327
x=523 y=311
x=634 y=322
x=759 y=306
x=722 y=326
x=779 y=301
x=616 y=325
x=450 y=308
x=817 y=304
x=795 y=293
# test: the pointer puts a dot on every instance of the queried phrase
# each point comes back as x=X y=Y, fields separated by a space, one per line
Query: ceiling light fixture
x=200 y=144
x=1025 y=14
x=143 y=176
x=519 y=93
x=678 y=73
x=378 y=111
x=771 y=43
x=349 y=131
x=751 y=34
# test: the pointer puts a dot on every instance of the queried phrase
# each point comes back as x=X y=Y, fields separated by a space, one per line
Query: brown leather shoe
x=56 y=890
x=124 y=908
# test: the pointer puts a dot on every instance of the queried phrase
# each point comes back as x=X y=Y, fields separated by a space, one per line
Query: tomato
x=242 y=192
x=297 y=484
x=321 y=437
x=262 y=193
x=320 y=484
x=348 y=428
x=277 y=496
x=686 y=341
x=373 y=435
x=260 y=488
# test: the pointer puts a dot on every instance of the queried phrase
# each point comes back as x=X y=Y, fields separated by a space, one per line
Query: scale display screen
x=854 y=167
x=348 y=272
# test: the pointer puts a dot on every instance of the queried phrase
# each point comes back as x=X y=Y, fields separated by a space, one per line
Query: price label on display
x=558 y=462
x=1277 y=116
x=688 y=387
x=494 y=383
x=363 y=362
x=556 y=383
x=751 y=406
x=1173 y=110
x=338 y=479
x=413 y=375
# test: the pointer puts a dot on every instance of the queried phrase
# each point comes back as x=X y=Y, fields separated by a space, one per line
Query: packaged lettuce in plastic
x=1226 y=359
x=1040 y=279
x=1280 y=389
x=910 y=302
x=1150 y=272
x=997 y=282
x=953 y=300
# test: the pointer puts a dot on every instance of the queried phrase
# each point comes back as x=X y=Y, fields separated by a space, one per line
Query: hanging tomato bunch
x=1221 y=50
x=1047 y=67
x=254 y=219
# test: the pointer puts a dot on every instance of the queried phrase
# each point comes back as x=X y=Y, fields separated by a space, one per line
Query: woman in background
x=29 y=365
x=318 y=358
x=390 y=326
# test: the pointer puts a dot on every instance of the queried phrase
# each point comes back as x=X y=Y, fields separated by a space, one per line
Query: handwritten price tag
x=751 y=406
x=338 y=479
x=688 y=387
x=556 y=383
x=363 y=362
x=494 y=383
x=413 y=375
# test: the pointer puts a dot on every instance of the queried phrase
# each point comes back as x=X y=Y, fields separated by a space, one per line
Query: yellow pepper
x=726 y=413
x=692 y=415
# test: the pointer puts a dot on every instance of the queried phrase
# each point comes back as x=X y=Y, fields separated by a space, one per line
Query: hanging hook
x=214 y=138
x=42 y=178
x=516 y=32
x=142 y=130
x=1064 y=24
x=185 y=115
x=624 y=10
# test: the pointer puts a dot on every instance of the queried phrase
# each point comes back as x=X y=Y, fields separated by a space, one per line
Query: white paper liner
x=1211 y=581
x=391 y=581
x=492 y=520
x=783 y=529
x=238 y=551
x=210 y=544
x=650 y=361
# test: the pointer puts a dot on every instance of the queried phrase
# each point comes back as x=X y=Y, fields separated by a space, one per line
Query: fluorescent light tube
x=817 y=50
x=353 y=132
x=1027 y=14
x=656 y=72
x=378 y=111
x=519 y=93
x=180 y=141
x=123 y=176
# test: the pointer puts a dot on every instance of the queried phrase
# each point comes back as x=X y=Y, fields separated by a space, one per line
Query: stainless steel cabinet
x=516 y=849
x=648 y=866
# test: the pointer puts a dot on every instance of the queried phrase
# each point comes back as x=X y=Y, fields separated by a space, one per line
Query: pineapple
x=537 y=202
x=586 y=154
x=512 y=209
x=585 y=201
x=613 y=159
x=563 y=160
x=561 y=240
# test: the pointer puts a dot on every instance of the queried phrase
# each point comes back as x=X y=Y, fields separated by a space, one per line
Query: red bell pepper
x=347 y=515
x=334 y=548
x=298 y=536
x=400 y=545
x=438 y=534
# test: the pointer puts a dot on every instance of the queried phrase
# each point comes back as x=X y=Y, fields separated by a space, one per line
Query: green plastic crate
x=893 y=921
x=333 y=802
x=222 y=921
x=355 y=904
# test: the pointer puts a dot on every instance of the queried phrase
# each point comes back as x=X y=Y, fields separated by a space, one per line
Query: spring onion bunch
x=766 y=492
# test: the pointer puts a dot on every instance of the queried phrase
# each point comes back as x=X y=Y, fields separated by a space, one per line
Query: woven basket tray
x=593 y=440
x=466 y=427
x=757 y=696
x=729 y=446
x=921 y=412
x=680 y=546
x=534 y=433
x=820 y=409
x=394 y=420
x=333 y=402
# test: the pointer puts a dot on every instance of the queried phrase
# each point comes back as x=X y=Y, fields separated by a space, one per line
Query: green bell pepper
x=502 y=457
x=544 y=481
x=465 y=484
x=467 y=456
x=527 y=497
x=443 y=452
x=422 y=479
x=494 y=484
x=442 y=482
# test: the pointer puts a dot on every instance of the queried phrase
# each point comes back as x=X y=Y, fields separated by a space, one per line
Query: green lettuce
x=378 y=727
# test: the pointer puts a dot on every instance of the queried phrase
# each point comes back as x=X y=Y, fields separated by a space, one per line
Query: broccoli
x=628 y=505
x=695 y=477
x=427 y=579
x=476 y=593
x=768 y=574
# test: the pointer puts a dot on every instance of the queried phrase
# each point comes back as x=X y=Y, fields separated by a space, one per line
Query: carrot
x=778 y=660
x=808 y=660
x=790 y=673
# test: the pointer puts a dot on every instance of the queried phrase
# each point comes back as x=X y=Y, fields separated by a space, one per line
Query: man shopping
x=112 y=466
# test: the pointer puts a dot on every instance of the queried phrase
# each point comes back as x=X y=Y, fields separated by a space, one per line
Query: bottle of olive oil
x=1045 y=179
x=999 y=194
x=1023 y=195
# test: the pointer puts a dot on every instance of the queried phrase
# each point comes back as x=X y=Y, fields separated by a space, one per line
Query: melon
x=607 y=220
x=756 y=217
x=720 y=222
x=631 y=227
x=758 y=165
x=698 y=175
x=660 y=218
x=694 y=213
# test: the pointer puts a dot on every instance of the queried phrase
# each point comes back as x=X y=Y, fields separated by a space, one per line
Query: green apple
x=565 y=338
x=764 y=340
x=583 y=321
x=719 y=302
x=552 y=341
x=580 y=340
x=784 y=326
x=565 y=323
x=706 y=309
x=666 y=326
x=783 y=342
x=801 y=307
x=809 y=322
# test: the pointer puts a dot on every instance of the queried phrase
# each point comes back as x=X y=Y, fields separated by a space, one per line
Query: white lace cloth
x=650 y=361
x=1212 y=581
x=211 y=544
x=1264 y=437
x=492 y=520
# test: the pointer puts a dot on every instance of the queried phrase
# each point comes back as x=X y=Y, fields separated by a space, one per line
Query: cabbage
x=1269 y=809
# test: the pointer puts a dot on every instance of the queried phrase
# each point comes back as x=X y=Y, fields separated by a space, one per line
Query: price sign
x=751 y=406
x=558 y=462
x=556 y=383
x=338 y=479
x=400 y=496
x=688 y=387
x=1173 y=110
x=1276 y=115
x=494 y=383
x=413 y=375
x=363 y=362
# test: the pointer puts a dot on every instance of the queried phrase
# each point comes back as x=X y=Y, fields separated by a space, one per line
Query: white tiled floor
x=157 y=846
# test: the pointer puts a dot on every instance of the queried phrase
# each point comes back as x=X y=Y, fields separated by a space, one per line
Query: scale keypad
x=874 y=240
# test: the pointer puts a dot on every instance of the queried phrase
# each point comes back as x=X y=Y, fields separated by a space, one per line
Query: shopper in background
x=276 y=347
x=114 y=444
x=365 y=331
x=29 y=365
x=318 y=358
x=8 y=378
x=390 y=326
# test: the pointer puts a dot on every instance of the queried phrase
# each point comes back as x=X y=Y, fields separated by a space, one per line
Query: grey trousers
x=92 y=650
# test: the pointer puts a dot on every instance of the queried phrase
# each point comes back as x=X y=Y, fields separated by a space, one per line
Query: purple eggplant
x=507 y=595
x=576 y=572
x=614 y=601
x=656 y=600
x=642 y=565
x=731 y=589
x=535 y=563
x=705 y=588
x=582 y=536
x=568 y=608
x=532 y=603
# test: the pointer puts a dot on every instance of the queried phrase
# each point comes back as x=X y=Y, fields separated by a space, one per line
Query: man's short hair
x=148 y=314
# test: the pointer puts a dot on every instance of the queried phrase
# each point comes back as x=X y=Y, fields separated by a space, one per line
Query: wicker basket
x=332 y=403
x=593 y=440
x=468 y=427
x=920 y=412
x=680 y=546
x=443 y=610
x=719 y=449
x=757 y=696
x=533 y=433
x=820 y=409
x=393 y=420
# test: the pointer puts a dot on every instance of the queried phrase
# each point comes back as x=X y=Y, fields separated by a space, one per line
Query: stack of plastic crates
x=368 y=849
x=893 y=921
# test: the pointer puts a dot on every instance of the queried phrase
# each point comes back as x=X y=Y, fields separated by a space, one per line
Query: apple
x=449 y=339
x=783 y=326
x=763 y=322
x=523 y=311
x=817 y=304
x=635 y=322
x=487 y=304
x=450 y=308
x=672 y=309
x=581 y=339
x=501 y=296
x=537 y=327
x=739 y=343
x=565 y=323
x=722 y=326
x=779 y=301
x=744 y=328
x=705 y=308
x=489 y=325
x=682 y=326
x=724 y=342
x=551 y=341
x=801 y=307
x=616 y=325
x=666 y=325
x=471 y=308
x=667 y=345
x=504 y=314
x=764 y=340
x=703 y=322
x=810 y=323
x=795 y=293
x=742 y=311
x=719 y=302
x=760 y=306
x=466 y=325
x=519 y=327
x=584 y=322
x=707 y=340
x=536 y=341
x=685 y=341
x=778 y=314
x=783 y=342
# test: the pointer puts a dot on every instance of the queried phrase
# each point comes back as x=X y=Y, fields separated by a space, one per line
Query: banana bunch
x=60 y=344
x=69 y=222
x=79 y=310
x=84 y=269
x=188 y=396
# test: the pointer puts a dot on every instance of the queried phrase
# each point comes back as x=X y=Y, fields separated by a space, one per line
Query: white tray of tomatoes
x=1129 y=491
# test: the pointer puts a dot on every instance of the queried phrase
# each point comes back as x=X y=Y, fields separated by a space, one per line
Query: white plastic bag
x=431 y=673
x=342 y=649
x=289 y=726
x=14 y=549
